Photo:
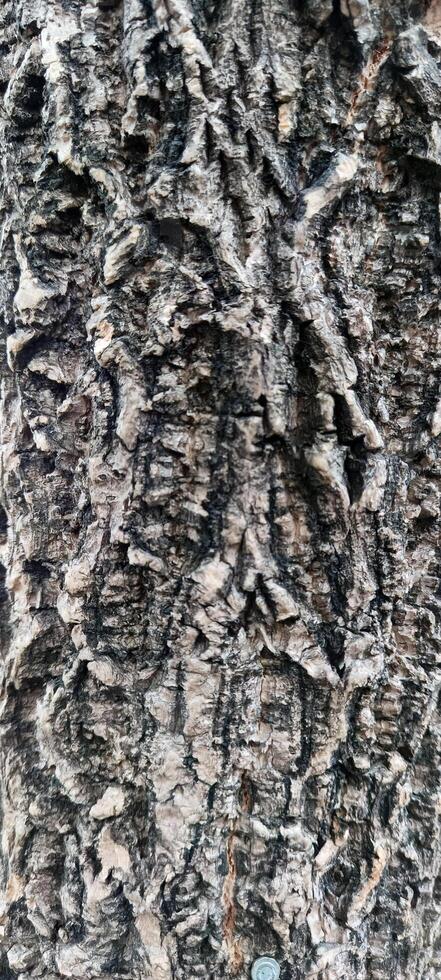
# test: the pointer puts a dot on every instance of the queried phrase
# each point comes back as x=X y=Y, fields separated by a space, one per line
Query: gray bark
x=220 y=301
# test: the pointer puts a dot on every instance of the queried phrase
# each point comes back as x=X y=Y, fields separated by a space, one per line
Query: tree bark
x=220 y=300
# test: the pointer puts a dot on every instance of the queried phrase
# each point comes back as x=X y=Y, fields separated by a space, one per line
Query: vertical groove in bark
x=219 y=534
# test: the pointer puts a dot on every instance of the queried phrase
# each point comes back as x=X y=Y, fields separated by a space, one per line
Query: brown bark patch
x=368 y=78
x=432 y=20
x=235 y=955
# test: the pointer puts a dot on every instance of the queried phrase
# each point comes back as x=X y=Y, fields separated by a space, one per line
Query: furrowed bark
x=220 y=406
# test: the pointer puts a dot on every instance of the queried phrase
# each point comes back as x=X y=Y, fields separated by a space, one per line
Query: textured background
x=220 y=361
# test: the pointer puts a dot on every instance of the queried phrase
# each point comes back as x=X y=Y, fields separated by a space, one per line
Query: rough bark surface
x=220 y=302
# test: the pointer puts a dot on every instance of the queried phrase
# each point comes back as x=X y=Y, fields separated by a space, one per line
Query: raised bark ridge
x=220 y=295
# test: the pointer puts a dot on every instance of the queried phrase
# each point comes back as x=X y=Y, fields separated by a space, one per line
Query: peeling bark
x=220 y=404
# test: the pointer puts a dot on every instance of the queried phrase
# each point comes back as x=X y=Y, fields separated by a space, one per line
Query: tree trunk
x=220 y=295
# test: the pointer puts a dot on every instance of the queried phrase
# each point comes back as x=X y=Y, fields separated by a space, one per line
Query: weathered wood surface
x=220 y=299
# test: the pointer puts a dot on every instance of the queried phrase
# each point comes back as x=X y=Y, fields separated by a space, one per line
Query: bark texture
x=220 y=307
